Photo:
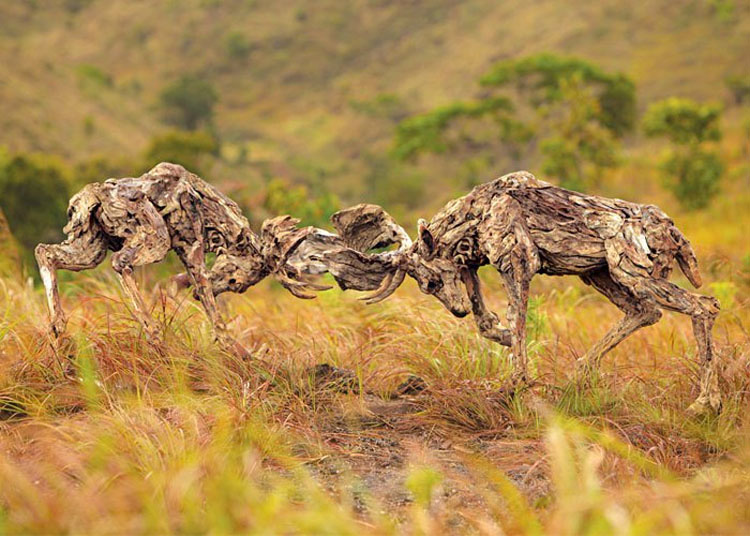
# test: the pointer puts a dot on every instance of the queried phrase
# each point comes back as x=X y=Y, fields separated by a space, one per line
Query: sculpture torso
x=570 y=230
x=179 y=197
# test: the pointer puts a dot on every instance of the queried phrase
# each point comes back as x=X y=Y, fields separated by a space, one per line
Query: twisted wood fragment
x=523 y=226
x=168 y=208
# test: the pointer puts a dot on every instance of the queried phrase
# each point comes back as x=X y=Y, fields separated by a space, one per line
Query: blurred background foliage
x=306 y=108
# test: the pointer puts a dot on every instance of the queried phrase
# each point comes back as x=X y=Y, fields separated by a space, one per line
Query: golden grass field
x=116 y=436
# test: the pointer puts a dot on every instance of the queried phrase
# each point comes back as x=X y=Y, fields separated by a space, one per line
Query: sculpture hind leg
x=147 y=241
x=638 y=314
x=194 y=260
x=80 y=253
x=703 y=311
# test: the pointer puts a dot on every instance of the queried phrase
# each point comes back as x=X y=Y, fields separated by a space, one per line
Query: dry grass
x=122 y=437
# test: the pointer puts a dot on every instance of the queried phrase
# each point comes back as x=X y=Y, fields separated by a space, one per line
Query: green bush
x=281 y=198
x=34 y=198
x=100 y=168
x=739 y=86
x=193 y=150
x=693 y=173
x=92 y=74
x=683 y=121
x=188 y=102
x=393 y=185
x=694 y=177
x=237 y=45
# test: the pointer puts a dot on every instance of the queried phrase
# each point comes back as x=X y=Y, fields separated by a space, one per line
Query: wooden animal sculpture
x=168 y=208
x=523 y=227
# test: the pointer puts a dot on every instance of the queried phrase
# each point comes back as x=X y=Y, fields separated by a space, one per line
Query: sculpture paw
x=706 y=406
x=231 y=345
x=57 y=327
x=498 y=334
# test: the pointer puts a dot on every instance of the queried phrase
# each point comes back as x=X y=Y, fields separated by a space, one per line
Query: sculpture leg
x=703 y=310
x=81 y=253
x=194 y=260
x=639 y=313
x=487 y=321
x=148 y=242
x=510 y=248
x=517 y=286
x=123 y=262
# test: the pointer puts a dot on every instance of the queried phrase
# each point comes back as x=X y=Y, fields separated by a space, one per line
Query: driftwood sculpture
x=168 y=208
x=523 y=227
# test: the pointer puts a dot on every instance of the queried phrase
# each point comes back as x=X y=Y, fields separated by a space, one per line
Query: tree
x=193 y=150
x=34 y=198
x=281 y=198
x=579 y=113
x=692 y=172
x=739 y=86
x=99 y=168
x=543 y=78
x=188 y=102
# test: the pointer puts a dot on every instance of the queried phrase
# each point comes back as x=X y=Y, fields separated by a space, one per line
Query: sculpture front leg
x=75 y=254
x=487 y=322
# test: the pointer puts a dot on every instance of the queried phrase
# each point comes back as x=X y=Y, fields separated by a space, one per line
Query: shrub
x=282 y=198
x=193 y=150
x=694 y=177
x=188 y=102
x=34 y=198
x=739 y=86
x=92 y=74
x=238 y=46
x=683 y=121
x=693 y=173
x=99 y=168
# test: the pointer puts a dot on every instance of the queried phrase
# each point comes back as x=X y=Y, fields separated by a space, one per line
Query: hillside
x=81 y=77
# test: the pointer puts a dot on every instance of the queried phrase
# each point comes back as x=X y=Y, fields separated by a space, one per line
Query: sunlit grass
x=114 y=435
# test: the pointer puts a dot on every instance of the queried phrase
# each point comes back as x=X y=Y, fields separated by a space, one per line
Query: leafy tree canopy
x=574 y=110
x=34 y=197
x=692 y=172
x=544 y=75
x=425 y=132
x=188 y=102
x=683 y=121
x=189 y=149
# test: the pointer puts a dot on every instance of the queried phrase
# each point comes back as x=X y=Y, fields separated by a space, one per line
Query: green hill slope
x=82 y=77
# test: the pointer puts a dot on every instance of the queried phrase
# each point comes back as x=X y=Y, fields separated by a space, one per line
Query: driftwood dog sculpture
x=168 y=208
x=523 y=227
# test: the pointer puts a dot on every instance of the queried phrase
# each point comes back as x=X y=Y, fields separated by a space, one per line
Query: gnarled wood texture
x=523 y=227
x=168 y=208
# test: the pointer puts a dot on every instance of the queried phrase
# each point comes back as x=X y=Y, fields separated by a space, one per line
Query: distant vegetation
x=188 y=102
x=34 y=197
x=570 y=108
x=693 y=171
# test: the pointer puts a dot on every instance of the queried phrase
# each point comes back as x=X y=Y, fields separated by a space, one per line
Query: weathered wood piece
x=523 y=226
x=168 y=208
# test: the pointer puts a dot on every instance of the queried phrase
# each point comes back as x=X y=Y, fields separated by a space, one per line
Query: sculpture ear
x=426 y=240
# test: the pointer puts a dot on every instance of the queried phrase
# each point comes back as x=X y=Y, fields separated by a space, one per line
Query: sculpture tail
x=686 y=259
